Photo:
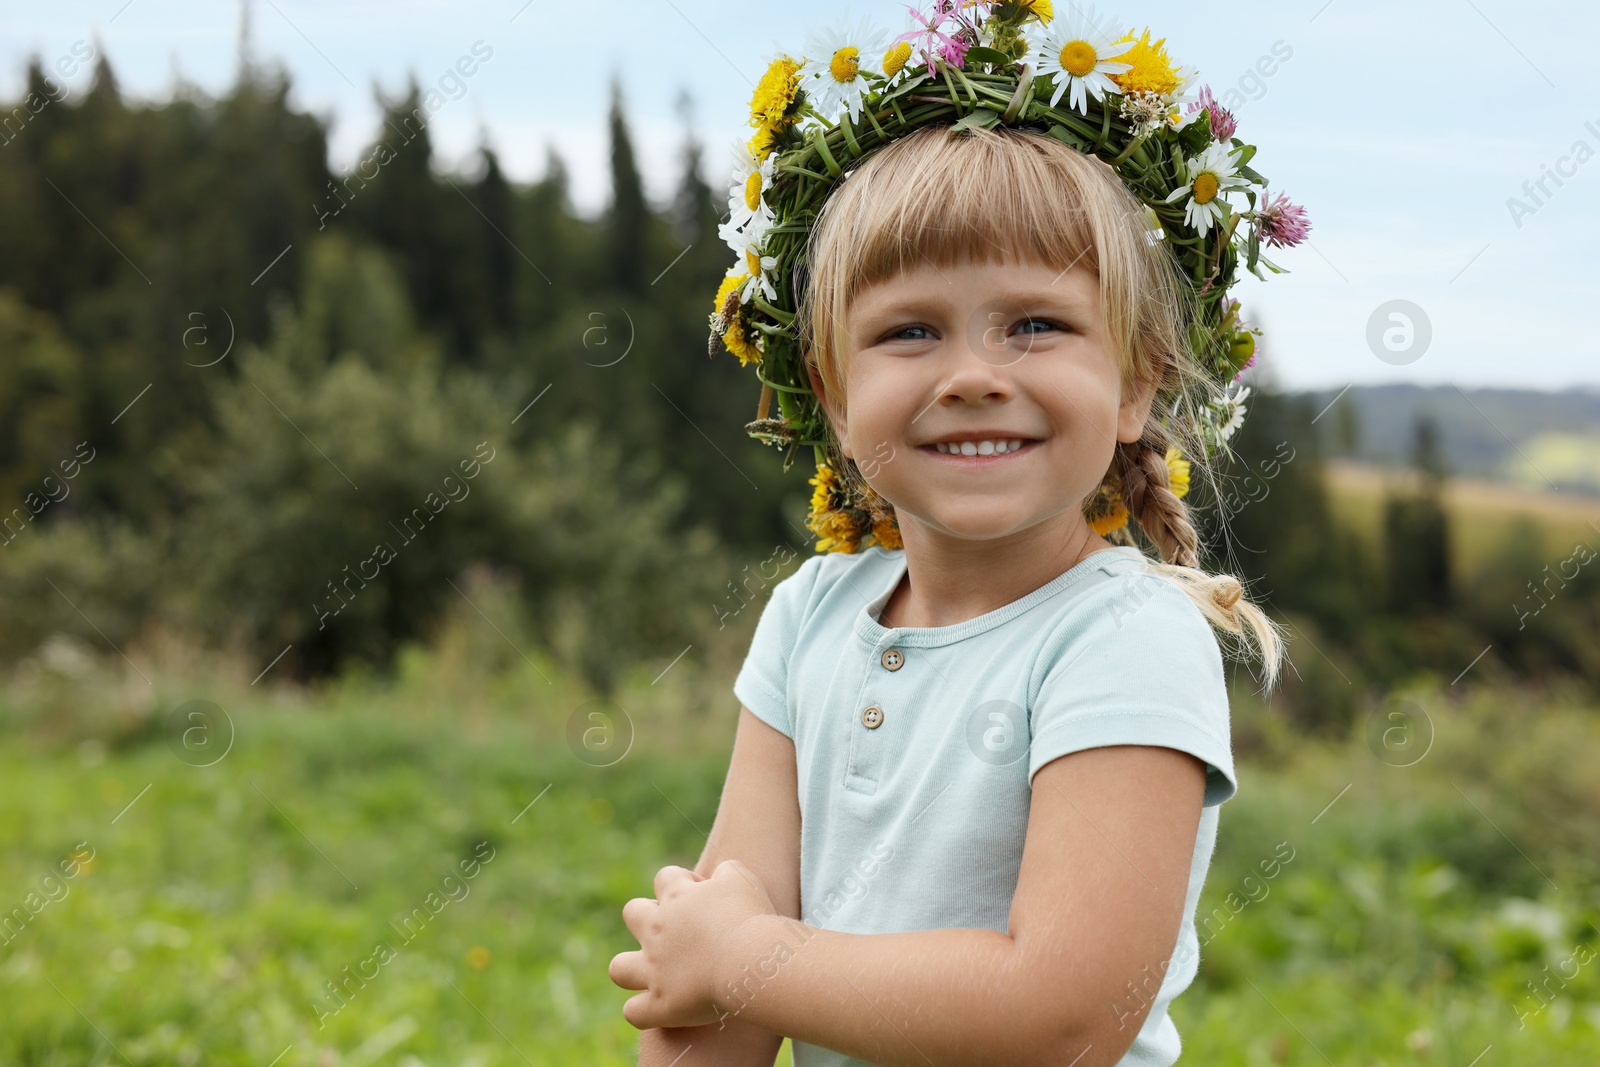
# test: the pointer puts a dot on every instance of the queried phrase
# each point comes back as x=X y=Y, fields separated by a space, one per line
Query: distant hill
x=1525 y=437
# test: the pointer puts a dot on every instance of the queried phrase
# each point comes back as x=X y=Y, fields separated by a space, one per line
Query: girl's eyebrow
x=1050 y=297
x=916 y=305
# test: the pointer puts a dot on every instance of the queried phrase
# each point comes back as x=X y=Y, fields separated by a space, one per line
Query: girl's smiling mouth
x=984 y=449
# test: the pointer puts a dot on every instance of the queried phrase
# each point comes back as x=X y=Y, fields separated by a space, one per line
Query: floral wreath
x=983 y=64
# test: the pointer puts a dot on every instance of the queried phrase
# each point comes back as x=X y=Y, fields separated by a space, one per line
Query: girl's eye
x=1037 y=326
x=910 y=333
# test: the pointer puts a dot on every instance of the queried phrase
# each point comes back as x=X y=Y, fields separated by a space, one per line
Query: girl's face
x=981 y=357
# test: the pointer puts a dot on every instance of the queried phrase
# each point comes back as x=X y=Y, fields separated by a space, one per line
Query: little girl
x=975 y=782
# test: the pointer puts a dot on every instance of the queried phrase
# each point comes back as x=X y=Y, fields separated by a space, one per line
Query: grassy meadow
x=232 y=861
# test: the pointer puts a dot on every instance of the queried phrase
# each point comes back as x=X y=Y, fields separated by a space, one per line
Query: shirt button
x=893 y=659
x=872 y=717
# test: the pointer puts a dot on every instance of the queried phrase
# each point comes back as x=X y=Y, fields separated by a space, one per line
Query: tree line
x=243 y=393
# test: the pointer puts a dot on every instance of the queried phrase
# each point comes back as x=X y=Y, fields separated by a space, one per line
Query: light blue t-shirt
x=916 y=747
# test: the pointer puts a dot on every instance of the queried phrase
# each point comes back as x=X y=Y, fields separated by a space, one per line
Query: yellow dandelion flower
x=838 y=533
x=761 y=143
x=835 y=529
x=739 y=342
x=478 y=957
x=1151 y=69
x=730 y=284
x=1177 y=471
x=822 y=495
x=771 y=101
x=1042 y=9
x=1107 y=512
x=1114 y=519
x=886 y=532
x=734 y=333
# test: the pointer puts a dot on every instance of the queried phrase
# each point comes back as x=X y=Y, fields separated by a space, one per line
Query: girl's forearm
x=914 y=999
x=729 y=1044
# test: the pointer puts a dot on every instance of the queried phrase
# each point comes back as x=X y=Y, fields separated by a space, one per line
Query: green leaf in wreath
x=992 y=56
x=1065 y=136
x=1194 y=137
x=979 y=118
x=904 y=87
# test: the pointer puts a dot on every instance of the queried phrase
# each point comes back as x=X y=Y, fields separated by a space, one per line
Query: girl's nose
x=979 y=360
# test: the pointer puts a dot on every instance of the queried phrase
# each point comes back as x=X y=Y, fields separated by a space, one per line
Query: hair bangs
x=977 y=199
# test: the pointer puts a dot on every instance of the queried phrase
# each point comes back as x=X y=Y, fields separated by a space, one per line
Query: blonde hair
x=945 y=197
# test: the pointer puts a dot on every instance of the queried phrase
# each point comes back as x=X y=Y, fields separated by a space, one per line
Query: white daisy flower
x=760 y=269
x=837 y=61
x=1212 y=174
x=1233 y=404
x=749 y=214
x=753 y=232
x=1184 y=94
x=1078 y=53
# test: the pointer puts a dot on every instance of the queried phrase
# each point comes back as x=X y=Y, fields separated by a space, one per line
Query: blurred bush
x=349 y=478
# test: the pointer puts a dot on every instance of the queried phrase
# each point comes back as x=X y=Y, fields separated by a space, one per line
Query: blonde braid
x=1142 y=469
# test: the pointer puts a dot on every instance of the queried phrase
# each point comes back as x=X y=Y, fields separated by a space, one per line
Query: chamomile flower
x=1181 y=98
x=752 y=233
x=1231 y=411
x=749 y=215
x=760 y=268
x=1080 y=55
x=837 y=62
x=1212 y=174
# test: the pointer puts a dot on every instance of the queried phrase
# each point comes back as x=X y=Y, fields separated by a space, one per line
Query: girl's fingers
x=637 y=1011
x=634 y=912
x=627 y=970
x=671 y=874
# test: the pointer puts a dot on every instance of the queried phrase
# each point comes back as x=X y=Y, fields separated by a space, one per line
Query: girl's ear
x=1135 y=410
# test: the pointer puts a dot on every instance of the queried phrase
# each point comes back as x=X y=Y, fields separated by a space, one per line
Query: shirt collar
x=875 y=634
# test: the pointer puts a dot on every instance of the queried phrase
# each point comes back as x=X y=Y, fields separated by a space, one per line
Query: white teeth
x=980 y=448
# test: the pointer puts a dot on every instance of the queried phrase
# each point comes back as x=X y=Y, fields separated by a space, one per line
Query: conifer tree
x=629 y=217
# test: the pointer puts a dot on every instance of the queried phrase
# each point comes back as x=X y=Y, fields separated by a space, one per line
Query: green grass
x=222 y=899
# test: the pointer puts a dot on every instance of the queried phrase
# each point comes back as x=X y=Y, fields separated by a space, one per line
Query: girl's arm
x=1094 y=922
x=757 y=823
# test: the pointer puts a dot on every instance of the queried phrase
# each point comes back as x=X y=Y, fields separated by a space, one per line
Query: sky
x=1415 y=132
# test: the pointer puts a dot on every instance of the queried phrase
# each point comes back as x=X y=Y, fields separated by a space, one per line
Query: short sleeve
x=1134 y=662
x=763 y=681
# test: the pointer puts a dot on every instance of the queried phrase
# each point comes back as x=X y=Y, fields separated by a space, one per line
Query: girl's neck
x=949 y=581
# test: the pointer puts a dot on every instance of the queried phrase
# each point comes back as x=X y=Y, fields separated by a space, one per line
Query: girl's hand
x=685 y=936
